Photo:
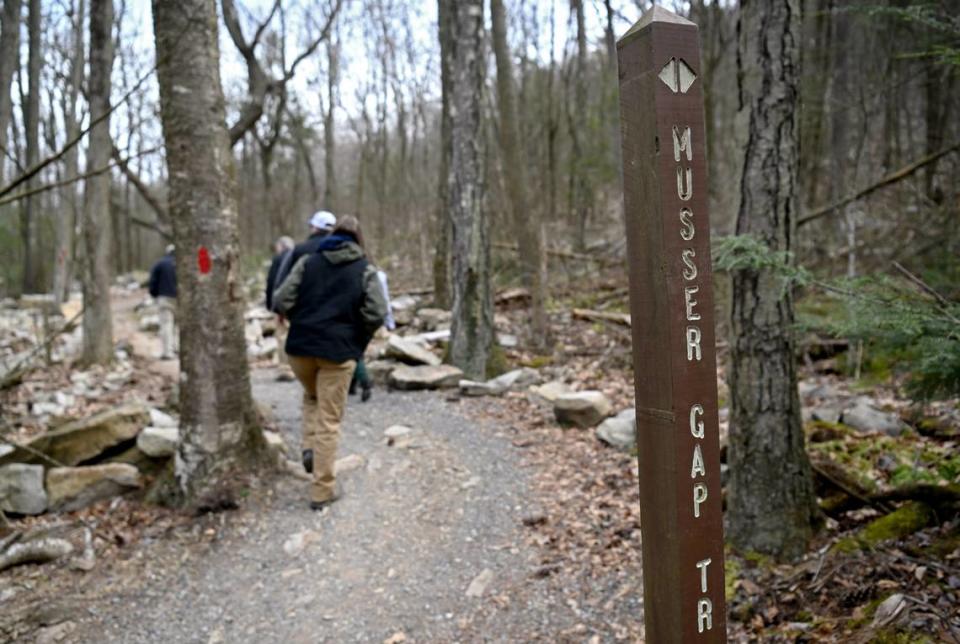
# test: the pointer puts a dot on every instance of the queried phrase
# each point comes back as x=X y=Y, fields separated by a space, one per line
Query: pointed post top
x=652 y=15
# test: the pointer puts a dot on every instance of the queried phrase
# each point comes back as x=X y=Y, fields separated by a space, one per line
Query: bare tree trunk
x=31 y=123
x=9 y=45
x=441 y=259
x=219 y=433
x=97 y=230
x=578 y=180
x=472 y=328
x=69 y=213
x=329 y=140
x=772 y=507
x=526 y=221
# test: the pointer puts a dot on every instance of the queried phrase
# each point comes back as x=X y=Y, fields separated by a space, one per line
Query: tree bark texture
x=97 y=228
x=441 y=258
x=472 y=325
x=527 y=223
x=9 y=44
x=329 y=136
x=771 y=503
x=31 y=121
x=69 y=214
x=219 y=433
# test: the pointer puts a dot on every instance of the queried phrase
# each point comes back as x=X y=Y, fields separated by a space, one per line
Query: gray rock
x=864 y=417
x=501 y=384
x=551 y=390
x=825 y=414
x=72 y=488
x=431 y=319
x=380 y=370
x=425 y=377
x=403 y=309
x=476 y=389
x=396 y=431
x=21 y=489
x=582 y=408
x=161 y=419
x=523 y=377
x=507 y=341
x=410 y=352
x=480 y=583
x=158 y=441
x=620 y=431
x=82 y=440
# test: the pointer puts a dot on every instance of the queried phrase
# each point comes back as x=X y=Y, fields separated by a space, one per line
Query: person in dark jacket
x=335 y=304
x=163 y=288
x=282 y=248
x=321 y=224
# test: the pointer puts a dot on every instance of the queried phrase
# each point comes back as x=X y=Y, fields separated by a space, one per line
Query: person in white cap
x=321 y=224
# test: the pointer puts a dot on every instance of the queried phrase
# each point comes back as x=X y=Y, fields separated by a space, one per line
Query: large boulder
x=425 y=377
x=380 y=370
x=620 y=431
x=21 y=489
x=582 y=408
x=410 y=352
x=864 y=417
x=72 y=488
x=82 y=440
x=158 y=442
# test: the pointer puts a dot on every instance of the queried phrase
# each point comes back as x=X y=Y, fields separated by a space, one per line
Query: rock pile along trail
x=428 y=533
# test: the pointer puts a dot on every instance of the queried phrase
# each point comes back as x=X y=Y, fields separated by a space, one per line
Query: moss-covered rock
x=900 y=523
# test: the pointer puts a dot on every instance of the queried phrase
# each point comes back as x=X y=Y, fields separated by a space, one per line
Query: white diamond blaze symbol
x=677 y=75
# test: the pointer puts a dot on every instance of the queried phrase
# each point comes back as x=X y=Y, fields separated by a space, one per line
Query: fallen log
x=622 y=319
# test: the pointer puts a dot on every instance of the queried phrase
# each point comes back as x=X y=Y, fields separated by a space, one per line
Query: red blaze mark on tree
x=203 y=260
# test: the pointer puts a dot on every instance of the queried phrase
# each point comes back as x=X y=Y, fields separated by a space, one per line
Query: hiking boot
x=353 y=388
x=367 y=393
x=307 y=458
x=320 y=505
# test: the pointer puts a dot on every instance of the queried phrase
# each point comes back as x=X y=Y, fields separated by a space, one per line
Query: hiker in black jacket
x=335 y=304
x=163 y=288
x=321 y=223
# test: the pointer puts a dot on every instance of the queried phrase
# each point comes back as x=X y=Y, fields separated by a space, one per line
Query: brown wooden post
x=671 y=301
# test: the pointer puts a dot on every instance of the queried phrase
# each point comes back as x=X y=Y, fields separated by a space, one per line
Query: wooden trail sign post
x=671 y=301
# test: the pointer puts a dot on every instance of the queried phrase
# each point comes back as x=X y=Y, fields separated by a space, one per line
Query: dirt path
x=423 y=543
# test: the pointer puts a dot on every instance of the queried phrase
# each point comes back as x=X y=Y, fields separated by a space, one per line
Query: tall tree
x=69 y=214
x=31 y=121
x=329 y=138
x=526 y=221
x=441 y=259
x=219 y=429
x=771 y=503
x=578 y=114
x=472 y=326
x=9 y=45
x=97 y=228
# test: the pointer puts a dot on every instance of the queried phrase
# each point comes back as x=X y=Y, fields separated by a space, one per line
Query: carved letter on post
x=671 y=300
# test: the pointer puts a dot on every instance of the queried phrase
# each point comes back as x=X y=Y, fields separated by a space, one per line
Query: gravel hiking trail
x=425 y=545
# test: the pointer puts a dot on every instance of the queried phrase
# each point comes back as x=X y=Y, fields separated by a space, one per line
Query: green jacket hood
x=343 y=253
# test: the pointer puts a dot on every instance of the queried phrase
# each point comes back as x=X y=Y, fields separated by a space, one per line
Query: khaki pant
x=168 y=326
x=325 y=386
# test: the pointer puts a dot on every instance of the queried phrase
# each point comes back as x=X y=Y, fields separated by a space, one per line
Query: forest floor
x=438 y=538
x=488 y=522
